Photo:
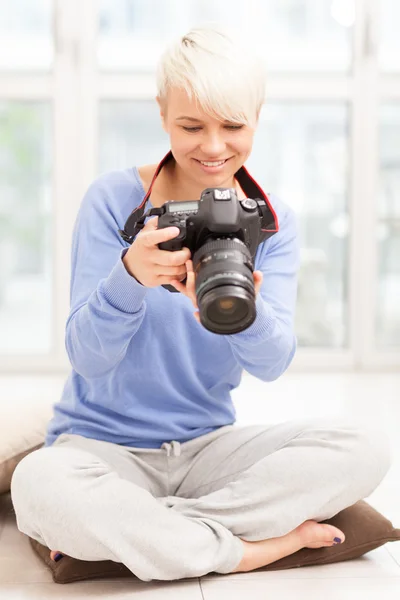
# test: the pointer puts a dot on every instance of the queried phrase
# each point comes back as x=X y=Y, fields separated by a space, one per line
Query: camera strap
x=269 y=222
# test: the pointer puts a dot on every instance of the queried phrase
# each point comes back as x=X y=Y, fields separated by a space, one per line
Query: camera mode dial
x=249 y=204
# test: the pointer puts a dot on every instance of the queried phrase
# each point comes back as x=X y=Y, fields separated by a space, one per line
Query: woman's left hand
x=189 y=289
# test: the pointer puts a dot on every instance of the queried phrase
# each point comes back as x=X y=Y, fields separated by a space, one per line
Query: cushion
x=364 y=527
x=23 y=430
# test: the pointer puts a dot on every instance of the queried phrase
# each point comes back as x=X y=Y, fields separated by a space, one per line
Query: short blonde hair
x=223 y=75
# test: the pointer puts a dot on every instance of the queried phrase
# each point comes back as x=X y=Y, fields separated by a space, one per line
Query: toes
x=317 y=535
x=338 y=536
x=337 y=540
x=55 y=555
x=320 y=545
x=331 y=533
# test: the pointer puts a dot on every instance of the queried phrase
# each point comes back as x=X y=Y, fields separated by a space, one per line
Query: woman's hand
x=151 y=266
x=189 y=289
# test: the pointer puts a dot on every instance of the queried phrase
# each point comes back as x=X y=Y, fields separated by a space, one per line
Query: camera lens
x=225 y=285
x=228 y=309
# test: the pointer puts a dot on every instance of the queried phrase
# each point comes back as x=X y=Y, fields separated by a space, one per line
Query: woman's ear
x=161 y=105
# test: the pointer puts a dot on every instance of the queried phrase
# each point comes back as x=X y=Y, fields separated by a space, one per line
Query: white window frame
x=74 y=88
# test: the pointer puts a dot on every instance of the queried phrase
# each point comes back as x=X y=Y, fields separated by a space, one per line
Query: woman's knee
x=29 y=489
x=46 y=472
x=47 y=478
x=32 y=476
x=369 y=453
x=374 y=453
x=364 y=451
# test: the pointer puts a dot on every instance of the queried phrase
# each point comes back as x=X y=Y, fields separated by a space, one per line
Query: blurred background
x=77 y=99
x=77 y=88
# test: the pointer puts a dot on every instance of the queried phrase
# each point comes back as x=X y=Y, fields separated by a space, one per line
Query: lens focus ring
x=221 y=245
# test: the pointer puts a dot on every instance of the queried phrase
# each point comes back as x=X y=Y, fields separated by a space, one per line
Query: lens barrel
x=224 y=285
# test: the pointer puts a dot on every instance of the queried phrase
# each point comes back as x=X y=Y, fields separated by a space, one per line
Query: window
x=26 y=36
x=388 y=234
x=25 y=224
x=295 y=35
x=389 y=49
x=77 y=88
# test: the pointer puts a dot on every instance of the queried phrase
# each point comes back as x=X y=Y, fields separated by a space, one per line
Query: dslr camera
x=222 y=234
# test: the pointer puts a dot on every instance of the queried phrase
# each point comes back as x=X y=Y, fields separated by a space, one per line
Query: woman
x=216 y=497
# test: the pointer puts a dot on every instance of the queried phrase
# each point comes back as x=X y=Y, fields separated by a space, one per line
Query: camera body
x=218 y=214
x=222 y=234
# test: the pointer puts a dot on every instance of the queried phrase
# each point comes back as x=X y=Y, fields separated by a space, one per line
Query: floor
x=371 y=398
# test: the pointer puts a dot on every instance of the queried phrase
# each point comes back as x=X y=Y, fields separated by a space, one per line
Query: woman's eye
x=191 y=128
x=230 y=127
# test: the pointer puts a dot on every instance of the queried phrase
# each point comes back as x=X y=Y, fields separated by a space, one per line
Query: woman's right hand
x=151 y=266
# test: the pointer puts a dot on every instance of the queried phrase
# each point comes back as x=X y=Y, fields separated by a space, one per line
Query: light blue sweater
x=144 y=371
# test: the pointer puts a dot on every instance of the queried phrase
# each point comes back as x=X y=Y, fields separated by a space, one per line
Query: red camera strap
x=250 y=187
x=246 y=181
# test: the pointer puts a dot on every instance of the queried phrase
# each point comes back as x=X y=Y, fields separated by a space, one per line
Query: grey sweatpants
x=179 y=510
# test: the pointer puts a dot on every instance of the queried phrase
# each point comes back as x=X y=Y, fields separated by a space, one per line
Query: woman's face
x=196 y=137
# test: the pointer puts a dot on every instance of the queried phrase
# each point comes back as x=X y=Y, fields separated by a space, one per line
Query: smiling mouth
x=212 y=163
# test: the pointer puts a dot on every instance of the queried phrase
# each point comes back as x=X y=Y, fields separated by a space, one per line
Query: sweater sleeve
x=266 y=348
x=107 y=304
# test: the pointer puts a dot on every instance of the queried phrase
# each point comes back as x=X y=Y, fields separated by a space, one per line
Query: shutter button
x=249 y=204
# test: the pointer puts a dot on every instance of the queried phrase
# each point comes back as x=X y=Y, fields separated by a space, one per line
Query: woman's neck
x=173 y=184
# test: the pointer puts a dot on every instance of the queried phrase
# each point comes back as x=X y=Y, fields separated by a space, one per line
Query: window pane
x=388 y=304
x=25 y=34
x=25 y=243
x=300 y=153
x=389 y=49
x=130 y=134
x=305 y=35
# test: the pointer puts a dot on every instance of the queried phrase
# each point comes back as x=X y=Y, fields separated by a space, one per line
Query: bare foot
x=318 y=535
x=309 y=534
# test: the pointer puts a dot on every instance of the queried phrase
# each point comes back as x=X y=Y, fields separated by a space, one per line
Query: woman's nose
x=213 y=147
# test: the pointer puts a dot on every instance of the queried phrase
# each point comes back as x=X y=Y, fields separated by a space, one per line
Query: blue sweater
x=144 y=371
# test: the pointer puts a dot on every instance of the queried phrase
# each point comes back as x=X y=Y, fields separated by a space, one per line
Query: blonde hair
x=221 y=73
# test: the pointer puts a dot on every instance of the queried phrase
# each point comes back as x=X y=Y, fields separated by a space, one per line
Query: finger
x=178 y=273
x=258 y=279
x=177 y=258
x=153 y=237
x=151 y=224
x=191 y=283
